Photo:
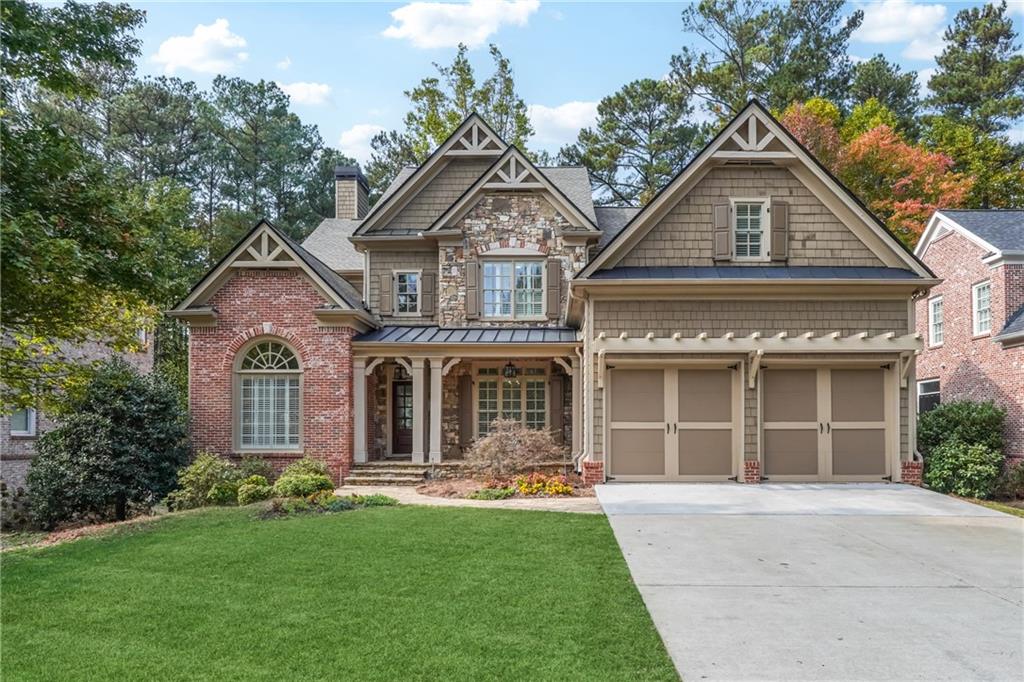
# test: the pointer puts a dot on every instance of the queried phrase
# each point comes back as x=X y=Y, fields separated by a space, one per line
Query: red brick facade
x=912 y=472
x=593 y=472
x=973 y=367
x=751 y=471
x=276 y=304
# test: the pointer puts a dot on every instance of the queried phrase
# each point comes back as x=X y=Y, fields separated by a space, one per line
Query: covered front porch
x=424 y=394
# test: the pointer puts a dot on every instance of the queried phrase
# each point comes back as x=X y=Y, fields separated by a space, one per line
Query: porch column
x=577 y=406
x=418 y=386
x=436 y=378
x=359 y=402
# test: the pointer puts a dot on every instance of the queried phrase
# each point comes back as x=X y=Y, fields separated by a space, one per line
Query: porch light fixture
x=510 y=371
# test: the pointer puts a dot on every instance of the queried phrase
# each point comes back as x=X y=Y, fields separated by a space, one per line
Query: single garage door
x=674 y=423
x=826 y=424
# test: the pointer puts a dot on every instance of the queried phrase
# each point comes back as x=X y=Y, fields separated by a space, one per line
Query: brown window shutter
x=722 y=232
x=554 y=291
x=428 y=293
x=472 y=290
x=465 y=410
x=385 y=293
x=780 y=230
x=555 y=408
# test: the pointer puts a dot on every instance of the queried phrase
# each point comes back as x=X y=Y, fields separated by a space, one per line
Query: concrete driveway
x=825 y=582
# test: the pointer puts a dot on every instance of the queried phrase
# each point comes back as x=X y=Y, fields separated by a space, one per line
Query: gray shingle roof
x=1002 y=228
x=1015 y=325
x=754 y=272
x=611 y=220
x=574 y=181
x=329 y=242
x=337 y=283
x=469 y=335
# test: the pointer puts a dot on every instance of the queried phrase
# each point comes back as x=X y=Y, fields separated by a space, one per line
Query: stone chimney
x=351 y=193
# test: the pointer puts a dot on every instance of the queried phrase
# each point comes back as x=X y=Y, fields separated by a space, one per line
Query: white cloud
x=284 y=64
x=211 y=48
x=306 y=93
x=438 y=24
x=925 y=48
x=355 y=141
x=923 y=76
x=897 y=21
x=559 y=125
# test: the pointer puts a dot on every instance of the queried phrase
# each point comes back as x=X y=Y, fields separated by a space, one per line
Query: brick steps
x=387 y=473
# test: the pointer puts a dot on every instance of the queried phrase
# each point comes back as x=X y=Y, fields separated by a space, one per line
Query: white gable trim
x=938 y=225
x=742 y=132
x=261 y=248
x=473 y=138
x=512 y=172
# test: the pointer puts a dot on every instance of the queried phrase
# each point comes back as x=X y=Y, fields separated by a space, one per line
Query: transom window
x=928 y=395
x=749 y=229
x=935 y=321
x=514 y=289
x=23 y=422
x=982 y=296
x=269 y=402
x=407 y=293
x=522 y=398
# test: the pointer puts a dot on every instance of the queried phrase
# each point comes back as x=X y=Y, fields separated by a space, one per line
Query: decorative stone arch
x=267 y=330
x=513 y=246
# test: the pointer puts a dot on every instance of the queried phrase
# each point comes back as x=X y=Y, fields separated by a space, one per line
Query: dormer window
x=750 y=229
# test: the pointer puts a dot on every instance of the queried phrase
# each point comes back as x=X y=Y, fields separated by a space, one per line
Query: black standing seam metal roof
x=468 y=335
x=754 y=272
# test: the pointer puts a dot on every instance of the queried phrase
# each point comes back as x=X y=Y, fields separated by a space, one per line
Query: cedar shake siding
x=685 y=235
x=436 y=197
x=382 y=264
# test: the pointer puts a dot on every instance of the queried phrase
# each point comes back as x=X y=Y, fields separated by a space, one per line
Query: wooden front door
x=401 y=417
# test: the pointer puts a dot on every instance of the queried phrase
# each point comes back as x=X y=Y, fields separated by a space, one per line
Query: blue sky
x=346 y=65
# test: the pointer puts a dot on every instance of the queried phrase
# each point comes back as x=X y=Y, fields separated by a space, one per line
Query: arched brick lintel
x=266 y=330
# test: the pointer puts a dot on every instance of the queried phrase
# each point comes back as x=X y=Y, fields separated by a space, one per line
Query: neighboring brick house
x=753 y=321
x=973 y=322
x=20 y=429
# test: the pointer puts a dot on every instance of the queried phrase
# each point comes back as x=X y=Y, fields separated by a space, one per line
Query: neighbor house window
x=514 y=289
x=982 y=297
x=935 y=321
x=23 y=422
x=407 y=293
x=927 y=395
x=522 y=398
x=269 y=402
x=750 y=226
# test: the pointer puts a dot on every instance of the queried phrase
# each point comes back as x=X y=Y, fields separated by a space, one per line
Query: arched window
x=269 y=399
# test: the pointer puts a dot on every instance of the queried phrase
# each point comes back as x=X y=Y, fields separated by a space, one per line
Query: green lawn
x=375 y=594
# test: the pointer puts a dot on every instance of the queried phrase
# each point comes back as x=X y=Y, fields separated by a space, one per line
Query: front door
x=401 y=417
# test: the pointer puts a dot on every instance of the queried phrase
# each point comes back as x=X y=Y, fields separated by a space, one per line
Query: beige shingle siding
x=684 y=235
x=386 y=262
x=664 y=318
x=438 y=195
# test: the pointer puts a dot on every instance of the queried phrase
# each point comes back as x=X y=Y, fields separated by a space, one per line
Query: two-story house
x=753 y=321
x=973 y=322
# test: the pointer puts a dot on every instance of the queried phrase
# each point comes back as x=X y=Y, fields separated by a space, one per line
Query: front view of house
x=754 y=321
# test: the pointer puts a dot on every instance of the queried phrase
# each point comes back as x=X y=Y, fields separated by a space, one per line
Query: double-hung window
x=981 y=295
x=513 y=289
x=521 y=398
x=407 y=293
x=750 y=229
x=935 y=321
x=23 y=422
x=269 y=401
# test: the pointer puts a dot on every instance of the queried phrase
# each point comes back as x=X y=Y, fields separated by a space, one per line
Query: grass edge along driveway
x=375 y=594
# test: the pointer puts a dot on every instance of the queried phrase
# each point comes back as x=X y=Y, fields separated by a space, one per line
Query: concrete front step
x=359 y=479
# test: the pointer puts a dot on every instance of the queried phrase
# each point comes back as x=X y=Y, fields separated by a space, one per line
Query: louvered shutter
x=472 y=290
x=385 y=293
x=722 y=232
x=554 y=289
x=428 y=293
x=465 y=411
x=780 y=231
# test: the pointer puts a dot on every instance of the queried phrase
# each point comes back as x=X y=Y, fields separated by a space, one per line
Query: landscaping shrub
x=251 y=465
x=120 y=446
x=197 y=481
x=963 y=420
x=254 y=492
x=320 y=498
x=539 y=484
x=492 y=494
x=223 y=494
x=511 y=448
x=15 y=508
x=968 y=470
x=338 y=504
x=1011 y=482
x=301 y=485
x=373 y=500
x=306 y=467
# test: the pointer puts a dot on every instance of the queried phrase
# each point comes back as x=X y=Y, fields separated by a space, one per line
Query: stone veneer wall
x=277 y=305
x=505 y=220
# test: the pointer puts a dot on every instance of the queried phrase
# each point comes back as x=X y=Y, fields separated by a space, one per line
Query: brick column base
x=593 y=473
x=911 y=472
x=751 y=471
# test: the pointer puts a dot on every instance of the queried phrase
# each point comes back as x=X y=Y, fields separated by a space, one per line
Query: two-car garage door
x=674 y=424
x=816 y=424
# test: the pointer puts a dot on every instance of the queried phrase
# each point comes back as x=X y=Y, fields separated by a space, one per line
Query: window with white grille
x=935 y=321
x=982 y=297
x=522 y=398
x=750 y=233
x=513 y=289
x=269 y=399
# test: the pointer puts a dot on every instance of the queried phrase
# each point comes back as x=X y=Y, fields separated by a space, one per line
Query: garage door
x=674 y=424
x=826 y=424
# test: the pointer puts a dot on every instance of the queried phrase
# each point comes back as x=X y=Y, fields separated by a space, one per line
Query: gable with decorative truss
x=477 y=140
